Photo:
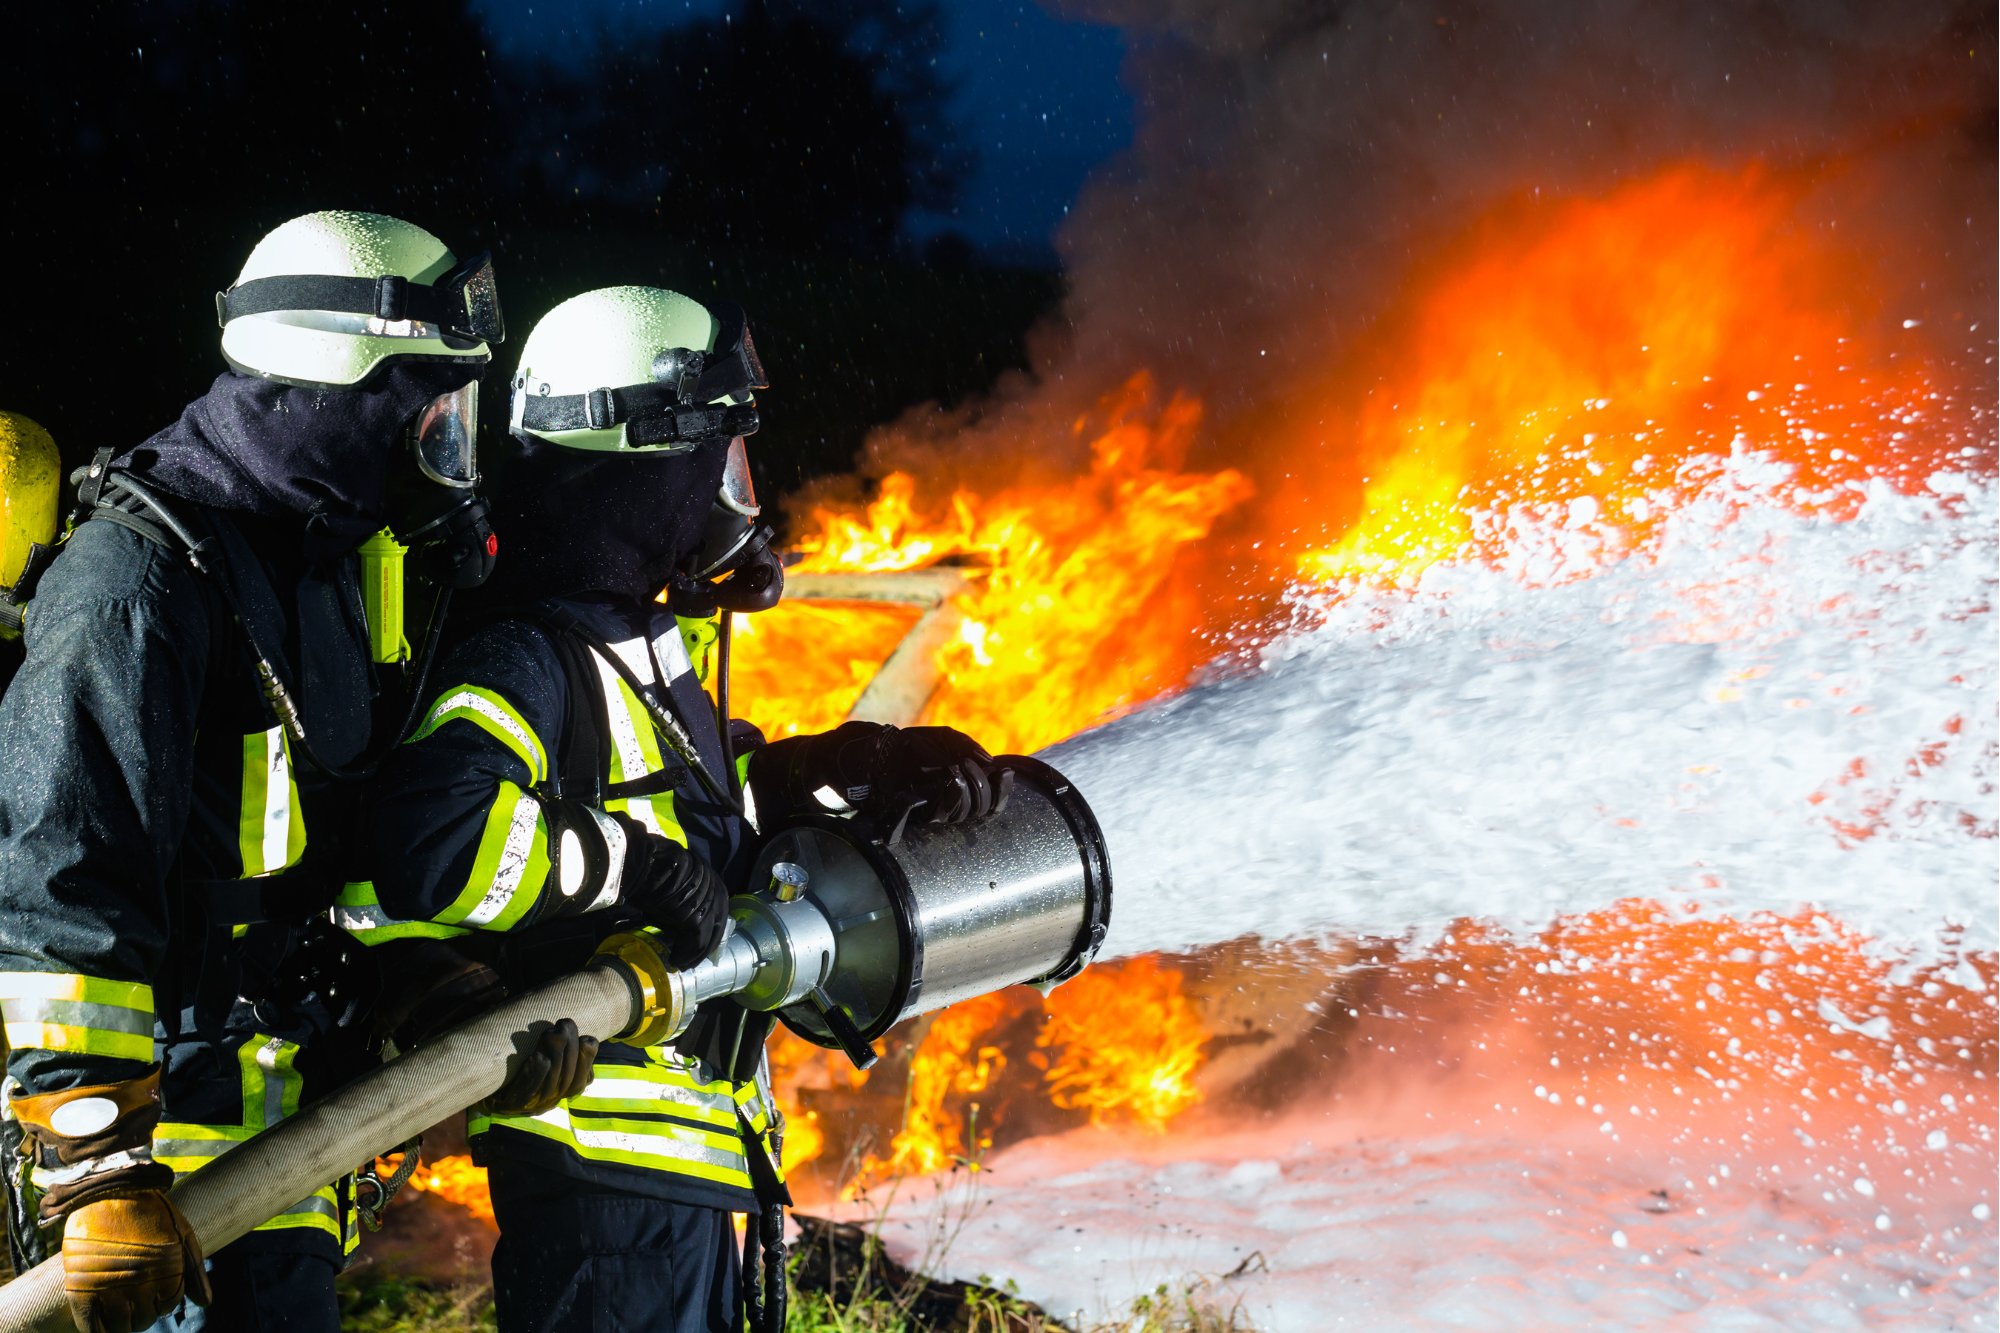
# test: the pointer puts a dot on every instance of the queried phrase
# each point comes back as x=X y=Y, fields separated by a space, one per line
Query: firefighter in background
x=571 y=778
x=174 y=756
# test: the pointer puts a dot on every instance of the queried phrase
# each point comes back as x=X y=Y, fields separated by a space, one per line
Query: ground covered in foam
x=1499 y=1226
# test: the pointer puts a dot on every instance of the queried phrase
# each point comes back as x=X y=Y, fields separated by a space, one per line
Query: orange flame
x=1130 y=1043
x=1126 y=1045
x=1075 y=613
x=456 y=1180
x=800 y=666
x=1583 y=349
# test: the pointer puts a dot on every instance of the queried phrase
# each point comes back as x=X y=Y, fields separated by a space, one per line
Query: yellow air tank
x=30 y=492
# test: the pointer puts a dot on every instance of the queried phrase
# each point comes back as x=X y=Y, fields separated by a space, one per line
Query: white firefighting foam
x=1775 y=712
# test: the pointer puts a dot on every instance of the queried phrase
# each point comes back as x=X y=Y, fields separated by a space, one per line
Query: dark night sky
x=1039 y=100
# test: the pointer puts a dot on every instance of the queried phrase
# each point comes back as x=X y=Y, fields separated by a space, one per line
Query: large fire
x=1578 y=358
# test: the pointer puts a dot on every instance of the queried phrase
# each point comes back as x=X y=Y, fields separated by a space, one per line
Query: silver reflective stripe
x=670 y=651
x=631 y=758
x=668 y=1143
x=313 y=1204
x=637 y=1090
x=528 y=748
x=277 y=801
x=91 y=1166
x=274 y=1080
x=81 y=1014
x=193 y=1147
x=614 y=847
x=513 y=865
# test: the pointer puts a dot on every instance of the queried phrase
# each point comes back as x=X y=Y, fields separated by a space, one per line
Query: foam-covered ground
x=1772 y=718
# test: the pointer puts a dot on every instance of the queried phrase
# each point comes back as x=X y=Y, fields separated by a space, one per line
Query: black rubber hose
x=776 y=1296
x=729 y=773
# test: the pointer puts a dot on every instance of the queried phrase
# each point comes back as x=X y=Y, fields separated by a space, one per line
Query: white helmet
x=328 y=298
x=636 y=370
x=639 y=370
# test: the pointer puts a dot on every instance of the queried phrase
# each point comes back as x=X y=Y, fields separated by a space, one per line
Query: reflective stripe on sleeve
x=59 y=1011
x=511 y=868
x=360 y=913
x=271 y=829
x=496 y=717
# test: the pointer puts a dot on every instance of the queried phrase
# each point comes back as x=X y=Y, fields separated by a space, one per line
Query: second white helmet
x=636 y=370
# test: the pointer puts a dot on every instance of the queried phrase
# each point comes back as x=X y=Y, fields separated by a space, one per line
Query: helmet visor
x=473 y=299
x=737 y=493
x=445 y=438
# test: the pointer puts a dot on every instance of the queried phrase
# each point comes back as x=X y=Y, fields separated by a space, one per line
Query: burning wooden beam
x=899 y=691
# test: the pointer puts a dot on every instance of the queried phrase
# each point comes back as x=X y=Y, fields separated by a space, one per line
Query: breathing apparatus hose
x=722 y=703
x=278 y=700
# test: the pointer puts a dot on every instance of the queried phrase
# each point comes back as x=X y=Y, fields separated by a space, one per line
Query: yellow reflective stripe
x=65 y=1011
x=271 y=1086
x=511 y=867
x=493 y=715
x=635 y=751
x=649 y=1144
x=635 y=746
x=358 y=912
x=187 y=1148
x=271 y=830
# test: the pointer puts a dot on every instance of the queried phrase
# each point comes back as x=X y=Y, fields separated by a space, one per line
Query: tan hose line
x=252 y=1184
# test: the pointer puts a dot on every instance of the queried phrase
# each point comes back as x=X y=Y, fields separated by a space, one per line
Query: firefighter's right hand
x=559 y=1068
x=127 y=1260
x=677 y=891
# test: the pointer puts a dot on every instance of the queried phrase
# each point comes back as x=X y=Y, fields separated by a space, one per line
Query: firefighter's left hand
x=559 y=1067
x=934 y=774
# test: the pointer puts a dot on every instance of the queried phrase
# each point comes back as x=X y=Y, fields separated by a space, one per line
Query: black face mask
x=581 y=522
x=316 y=456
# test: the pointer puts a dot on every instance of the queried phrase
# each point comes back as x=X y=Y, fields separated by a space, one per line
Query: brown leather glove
x=129 y=1259
x=560 y=1067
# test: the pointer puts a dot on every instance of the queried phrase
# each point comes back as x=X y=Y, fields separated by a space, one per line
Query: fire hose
x=849 y=934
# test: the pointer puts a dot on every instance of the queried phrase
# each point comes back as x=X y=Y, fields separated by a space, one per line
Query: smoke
x=1297 y=163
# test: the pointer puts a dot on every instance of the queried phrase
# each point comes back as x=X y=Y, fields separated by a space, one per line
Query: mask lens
x=446 y=438
x=737 y=492
x=474 y=283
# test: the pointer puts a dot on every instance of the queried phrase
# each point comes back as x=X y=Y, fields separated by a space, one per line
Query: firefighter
x=181 y=745
x=571 y=778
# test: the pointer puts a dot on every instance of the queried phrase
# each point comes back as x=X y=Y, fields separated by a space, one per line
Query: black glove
x=675 y=890
x=557 y=1069
x=933 y=774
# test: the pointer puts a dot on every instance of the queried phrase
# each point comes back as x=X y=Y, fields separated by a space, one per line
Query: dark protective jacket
x=463 y=827
x=140 y=774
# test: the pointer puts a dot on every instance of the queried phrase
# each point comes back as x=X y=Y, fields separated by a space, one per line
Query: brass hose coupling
x=664 y=1004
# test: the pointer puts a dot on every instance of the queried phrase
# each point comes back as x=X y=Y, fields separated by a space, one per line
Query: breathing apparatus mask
x=435 y=507
x=735 y=569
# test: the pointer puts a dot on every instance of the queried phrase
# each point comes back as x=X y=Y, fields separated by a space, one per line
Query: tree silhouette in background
x=770 y=154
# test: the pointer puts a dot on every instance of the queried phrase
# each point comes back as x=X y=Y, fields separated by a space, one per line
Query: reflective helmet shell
x=333 y=349
x=607 y=339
